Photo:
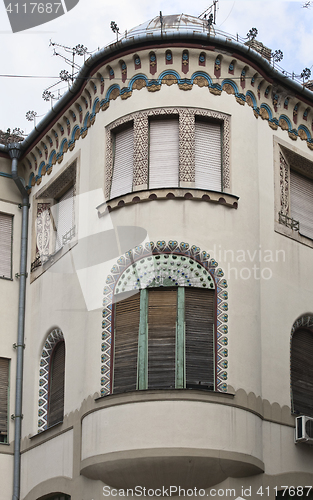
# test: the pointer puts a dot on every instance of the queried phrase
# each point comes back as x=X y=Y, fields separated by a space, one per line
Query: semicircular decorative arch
x=166 y=264
x=55 y=336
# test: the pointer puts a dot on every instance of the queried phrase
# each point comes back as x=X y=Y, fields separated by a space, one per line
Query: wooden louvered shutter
x=4 y=382
x=65 y=216
x=6 y=224
x=301 y=202
x=127 y=317
x=164 y=153
x=302 y=372
x=122 y=181
x=208 y=161
x=56 y=388
x=199 y=321
x=162 y=313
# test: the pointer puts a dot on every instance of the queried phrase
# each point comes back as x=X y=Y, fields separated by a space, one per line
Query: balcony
x=160 y=439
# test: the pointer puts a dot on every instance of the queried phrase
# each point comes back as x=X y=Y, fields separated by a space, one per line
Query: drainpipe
x=15 y=151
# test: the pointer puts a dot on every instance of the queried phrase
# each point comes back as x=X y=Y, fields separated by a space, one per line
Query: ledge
x=159 y=443
x=229 y=200
x=292 y=234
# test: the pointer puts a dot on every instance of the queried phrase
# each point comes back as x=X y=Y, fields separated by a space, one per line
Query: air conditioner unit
x=304 y=430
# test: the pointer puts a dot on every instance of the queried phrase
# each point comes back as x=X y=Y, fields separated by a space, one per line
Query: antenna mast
x=211 y=12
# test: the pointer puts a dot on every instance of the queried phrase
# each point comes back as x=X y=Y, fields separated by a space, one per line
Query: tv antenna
x=210 y=13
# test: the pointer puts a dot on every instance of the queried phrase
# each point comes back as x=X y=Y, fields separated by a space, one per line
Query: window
x=302 y=371
x=65 y=218
x=6 y=233
x=4 y=393
x=208 y=160
x=301 y=202
x=56 y=384
x=122 y=181
x=164 y=153
x=164 y=339
x=184 y=148
x=294 y=195
x=55 y=216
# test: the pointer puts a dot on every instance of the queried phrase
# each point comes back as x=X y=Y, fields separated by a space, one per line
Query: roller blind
x=127 y=317
x=162 y=314
x=4 y=382
x=208 y=160
x=56 y=388
x=302 y=371
x=199 y=350
x=164 y=153
x=65 y=216
x=301 y=202
x=122 y=181
x=6 y=225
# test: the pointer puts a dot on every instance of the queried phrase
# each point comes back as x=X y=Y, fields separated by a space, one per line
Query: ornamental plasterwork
x=53 y=338
x=186 y=146
x=141 y=157
x=140 y=81
x=166 y=264
x=186 y=143
x=284 y=184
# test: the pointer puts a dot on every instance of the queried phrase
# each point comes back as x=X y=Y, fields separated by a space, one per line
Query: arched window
x=164 y=322
x=164 y=326
x=164 y=339
x=302 y=370
x=56 y=384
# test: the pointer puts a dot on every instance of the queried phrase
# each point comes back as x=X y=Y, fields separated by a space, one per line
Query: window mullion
x=142 y=367
x=180 y=339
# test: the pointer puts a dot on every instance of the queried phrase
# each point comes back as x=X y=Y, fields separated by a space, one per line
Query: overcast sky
x=283 y=25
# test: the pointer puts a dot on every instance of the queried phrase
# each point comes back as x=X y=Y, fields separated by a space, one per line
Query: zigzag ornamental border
x=306 y=320
x=169 y=77
x=52 y=339
x=141 y=129
x=137 y=269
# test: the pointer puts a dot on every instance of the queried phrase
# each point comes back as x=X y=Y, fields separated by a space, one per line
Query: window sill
x=293 y=235
x=229 y=200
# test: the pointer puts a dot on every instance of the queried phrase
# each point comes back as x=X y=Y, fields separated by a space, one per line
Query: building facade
x=166 y=338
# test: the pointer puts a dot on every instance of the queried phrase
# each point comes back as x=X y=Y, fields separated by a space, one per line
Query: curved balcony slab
x=157 y=444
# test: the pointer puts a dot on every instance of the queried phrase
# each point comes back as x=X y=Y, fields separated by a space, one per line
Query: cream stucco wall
x=261 y=311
